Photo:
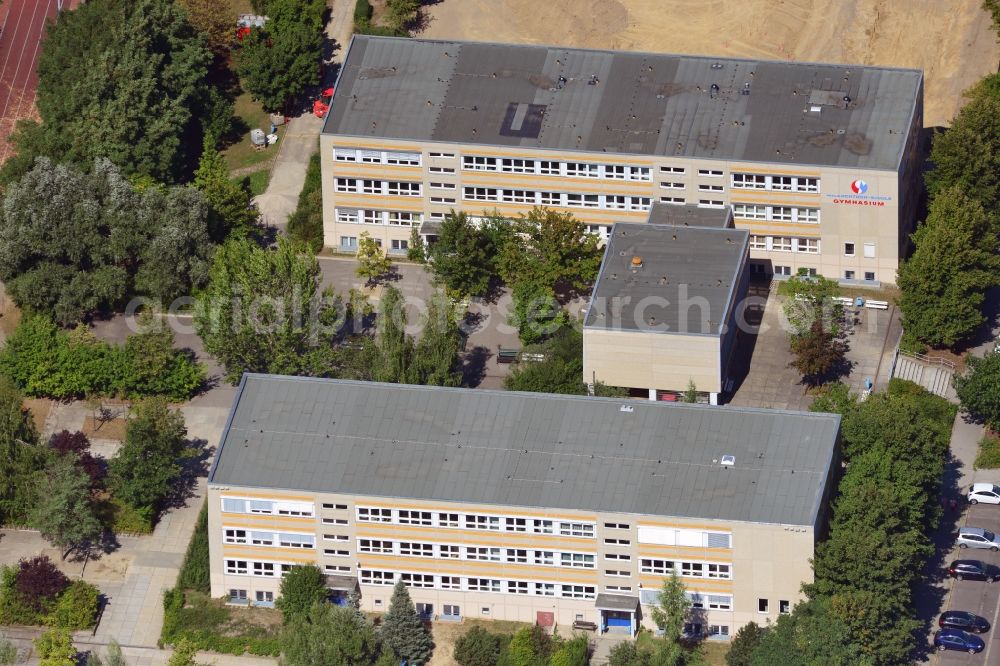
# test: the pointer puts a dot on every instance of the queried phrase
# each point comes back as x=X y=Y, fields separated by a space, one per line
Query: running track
x=22 y=24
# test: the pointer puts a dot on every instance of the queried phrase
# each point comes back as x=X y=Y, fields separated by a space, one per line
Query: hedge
x=74 y=608
x=989 y=453
x=306 y=223
x=363 y=25
x=194 y=573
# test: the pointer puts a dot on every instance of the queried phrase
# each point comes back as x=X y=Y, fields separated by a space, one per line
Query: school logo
x=859 y=186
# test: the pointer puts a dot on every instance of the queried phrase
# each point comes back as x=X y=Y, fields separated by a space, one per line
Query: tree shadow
x=193 y=467
x=474 y=366
x=493 y=292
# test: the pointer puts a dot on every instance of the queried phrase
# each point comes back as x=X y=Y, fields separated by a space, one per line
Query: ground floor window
x=718 y=630
x=237 y=596
x=782 y=270
x=870 y=276
x=452 y=611
x=349 y=242
x=425 y=610
x=264 y=598
x=848 y=275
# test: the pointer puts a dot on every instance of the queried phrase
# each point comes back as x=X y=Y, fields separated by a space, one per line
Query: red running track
x=22 y=25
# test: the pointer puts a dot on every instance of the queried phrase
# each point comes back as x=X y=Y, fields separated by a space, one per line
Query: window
x=758 y=242
x=347 y=185
x=443 y=186
x=749 y=181
x=294 y=509
x=484 y=585
x=482 y=553
x=544 y=557
x=374 y=546
x=263 y=569
x=617 y=556
x=671 y=185
x=785 y=183
x=517 y=587
x=617 y=572
x=451 y=611
x=447 y=156
x=452 y=552
x=547 y=168
x=371 y=186
x=583 y=200
x=807 y=184
x=404 y=188
x=718 y=630
x=374 y=515
x=869 y=250
x=336 y=537
x=577 y=591
x=848 y=249
x=264 y=597
x=517 y=556
x=237 y=596
x=692 y=569
x=542 y=526
x=809 y=245
x=719 y=571
x=414 y=517
x=710 y=188
x=334 y=506
x=336 y=553
x=762 y=605
x=719 y=601
x=848 y=275
x=235 y=536
x=651 y=566
x=402 y=159
x=374 y=577
x=451 y=583
x=475 y=163
x=870 y=276
x=718 y=540
x=260 y=506
x=416 y=549
x=347 y=216
x=781 y=213
x=378 y=602
x=345 y=155
x=425 y=610
x=807 y=215
x=711 y=203
x=545 y=589
x=480 y=193
x=582 y=170
x=618 y=542
x=692 y=629
x=517 y=196
x=618 y=588
x=781 y=244
x=678 y=201
x=476 y=522
x=750 y=211
x=576 y=529
x=448 y=519
x=417 y=580
x=510 y=165
x=437 y=169
x=784 y=607
x=396 y=244
x=711 y=173
x=296 y=540
x=672 y=169
x=782 y=270
x=485 y=610
x=237 y=567
x=811 y=272
x=579 y=560
x=614 y=171
x=262 y=538
x=403 y=219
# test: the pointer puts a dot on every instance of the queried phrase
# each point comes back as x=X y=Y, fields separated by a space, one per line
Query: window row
x=268 y=538
x=267 y=507
x=698 y=600
x=376 y=157
x=236 y=567
x=403 y=188
x=483 y=553
x=568 y=199
x=469 y=584
x=670 y=536
x=687 y=569
x=785 y=244
x=753 y=181
x=474 y=521
x=392 y=218
x=554 y=168
x=776 y=213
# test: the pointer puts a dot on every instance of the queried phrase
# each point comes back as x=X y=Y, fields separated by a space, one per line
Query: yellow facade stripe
x=253 y=494
x=382 y=201
x=439 y=508
x=718 y=554
x=708 y=527
x=744 y=168
x=380 y=171
x=787 y=198
x=486 y=569
x=656 y=581
x=301 y=526
x=262 y=553
x=291 y=521
x=787 y=228
x=559 y=184
x=475 y=538
x=375 y=143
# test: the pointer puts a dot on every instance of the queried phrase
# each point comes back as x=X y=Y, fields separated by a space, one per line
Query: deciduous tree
x=954 y=263
x=744 y=643
x=208 y=18
x=64 y=513
x=373 y=264
x=818 y=354
x=967 y=154
x=671 y=608
x=402 y=630
x=230 y=206
x=55 y=648
x=978 y=388
x=301 y=587
x=477 y=647
x=436 y=359
x=461 y=258
x=332 y=636
x=38 y=583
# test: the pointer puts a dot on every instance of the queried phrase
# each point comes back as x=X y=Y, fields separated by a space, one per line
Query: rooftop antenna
x=746 y=88
x=714 y=90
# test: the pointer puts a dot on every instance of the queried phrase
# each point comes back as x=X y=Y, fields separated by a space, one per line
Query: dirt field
x=951 y=41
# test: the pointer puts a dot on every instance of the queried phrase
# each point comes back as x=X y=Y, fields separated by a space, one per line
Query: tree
x=332 y=636
x=626 y=653
x=954 y=263
x=278 y=62
x=530 y=646
x=417 y=249
x=967 y=155
x=536 y=312
x=230 y=206
x=810 y=636
x=76 y=447
x=263 y=311
x=691 y=394
x=561 y=371
x=978 y=388
x=305 y=225
x=402 y=14
x=744 y=643
x=436 y=359
x=671 y=609
x=808 y=300
x=477 y=647
x=373 y=264
x=217 y=26
x=20 y=455
x=818 y=354
x=38 y=583
x=65 y=514
x=391 y=354
x=402 y=630
x=146 y=467
x=301 y=587
x=76 y=607
x=552 y=250
x=572 y=652
x=153 y=366
x=55 y=648
x=461 y=258
x=184 y=653
x=114 y=655
x=125 y=80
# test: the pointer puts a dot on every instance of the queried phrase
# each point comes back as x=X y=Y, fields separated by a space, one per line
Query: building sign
x=859 y=196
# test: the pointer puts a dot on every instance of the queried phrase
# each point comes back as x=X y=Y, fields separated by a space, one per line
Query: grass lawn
x=256 y=181
x=213 y=625
x=242 y=154
x=713 y=652
x=446 y=633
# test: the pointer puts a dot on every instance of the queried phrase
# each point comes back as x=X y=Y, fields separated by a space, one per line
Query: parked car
x=956 y=639
x=963 y=620
x=987 y=493
x=977 y=537
x=973 y=570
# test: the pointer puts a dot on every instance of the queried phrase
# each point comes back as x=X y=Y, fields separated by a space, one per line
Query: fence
x=923 y=358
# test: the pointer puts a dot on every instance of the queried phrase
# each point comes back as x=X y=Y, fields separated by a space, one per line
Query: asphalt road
x=975 y=596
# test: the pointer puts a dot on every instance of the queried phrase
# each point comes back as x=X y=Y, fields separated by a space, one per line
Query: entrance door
x=618 y=619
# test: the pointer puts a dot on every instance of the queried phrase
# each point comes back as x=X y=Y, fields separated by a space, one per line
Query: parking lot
x=975 y=596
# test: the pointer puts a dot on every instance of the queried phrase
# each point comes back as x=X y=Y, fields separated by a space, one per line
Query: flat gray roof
x=690 y=215
x=685 y=280
x=624 y=102
x=525 y=449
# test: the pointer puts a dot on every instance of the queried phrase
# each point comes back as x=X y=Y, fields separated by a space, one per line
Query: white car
x=987 y=493
x=977 y=537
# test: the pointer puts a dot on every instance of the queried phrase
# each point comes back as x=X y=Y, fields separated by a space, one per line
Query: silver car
x=977 y=537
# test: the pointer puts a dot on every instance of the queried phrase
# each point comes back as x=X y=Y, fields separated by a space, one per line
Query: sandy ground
x=952 y=41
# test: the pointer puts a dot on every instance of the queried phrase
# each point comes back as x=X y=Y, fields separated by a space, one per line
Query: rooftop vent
x=627 y=409
x=728 y=460
x=636 y=261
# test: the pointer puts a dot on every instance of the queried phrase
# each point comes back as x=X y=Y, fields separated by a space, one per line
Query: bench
x=507 y=355
x=877 y=305
x=583 y=624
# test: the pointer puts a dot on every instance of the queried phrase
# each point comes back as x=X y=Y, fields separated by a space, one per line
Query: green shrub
x=124 y=519
x=363 y=22
x=211 y=625
x=989 y=453
x=306 y=223
x=909 y=343
x=76 y=607
x=194 y=573
x=13 y=609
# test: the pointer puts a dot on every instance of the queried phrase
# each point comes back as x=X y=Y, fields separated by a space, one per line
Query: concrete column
x=652 y=394
x=713 y=398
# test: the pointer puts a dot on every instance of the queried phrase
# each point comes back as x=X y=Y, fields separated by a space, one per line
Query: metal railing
x=923 y=358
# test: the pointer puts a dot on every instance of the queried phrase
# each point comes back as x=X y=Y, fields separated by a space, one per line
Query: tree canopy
x=120 y=79
x=954 y=263
x=978 y=388
x=332 y=636
x=402 y=630
x=462 y=257
x=65 y=514
x=301 y=587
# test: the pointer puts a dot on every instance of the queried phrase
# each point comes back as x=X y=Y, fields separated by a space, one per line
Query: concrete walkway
x=301 y=135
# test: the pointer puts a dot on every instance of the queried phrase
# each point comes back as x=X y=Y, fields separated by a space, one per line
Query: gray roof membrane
x=526 y=450
x=624 y=102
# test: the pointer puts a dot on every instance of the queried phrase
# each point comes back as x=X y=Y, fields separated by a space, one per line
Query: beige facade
x=848 y=224
x=507 y=563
